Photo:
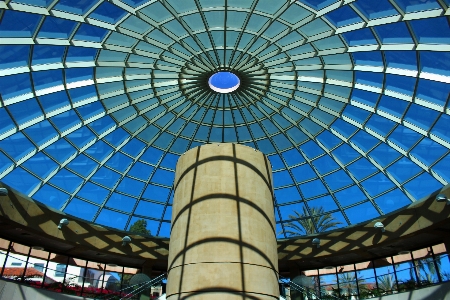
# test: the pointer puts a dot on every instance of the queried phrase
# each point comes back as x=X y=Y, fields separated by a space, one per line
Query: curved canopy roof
x=349 y=100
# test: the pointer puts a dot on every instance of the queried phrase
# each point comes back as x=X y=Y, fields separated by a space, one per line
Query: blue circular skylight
x=224 y=82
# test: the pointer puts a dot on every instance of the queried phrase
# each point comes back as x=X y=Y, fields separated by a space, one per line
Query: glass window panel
x=313 y=188
x=287 y=195
x=425 y=266
x=384 y=269
x=361 y=213
x=93 y=192
x=66 y=180
x=112 y=219
x=81 y=209
x=131 y=186
x=51 y=196
x=16 y=262
x=40 y=164
x=163 y=177
x=21 y=180
x=422 y=186
x=18 y=24
x=148 y=209
x=94 y=276
x=338 y=180
x=325 y=164
x=377 y=184
x=350 y=196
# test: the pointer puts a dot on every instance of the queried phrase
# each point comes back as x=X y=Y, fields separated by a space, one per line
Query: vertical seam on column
x=188 y=223
x=238 y=204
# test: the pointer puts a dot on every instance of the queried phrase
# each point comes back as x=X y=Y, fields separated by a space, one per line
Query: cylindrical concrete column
x=223 y=239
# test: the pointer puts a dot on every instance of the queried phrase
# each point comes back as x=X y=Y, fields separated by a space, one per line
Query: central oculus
x=224 y=82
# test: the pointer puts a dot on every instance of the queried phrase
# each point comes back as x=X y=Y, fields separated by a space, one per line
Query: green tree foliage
x=304 y=225
x=140 y=227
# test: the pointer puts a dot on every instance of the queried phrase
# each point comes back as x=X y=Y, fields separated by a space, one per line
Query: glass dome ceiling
x=349 y=99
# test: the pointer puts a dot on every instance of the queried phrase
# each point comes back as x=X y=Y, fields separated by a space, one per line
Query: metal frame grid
x=349 y=99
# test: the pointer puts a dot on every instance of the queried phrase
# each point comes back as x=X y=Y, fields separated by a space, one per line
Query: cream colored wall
x=223 y=241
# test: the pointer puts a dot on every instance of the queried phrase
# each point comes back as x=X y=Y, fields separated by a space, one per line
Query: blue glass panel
x=338 y=180
x=141 y=171
x=60 y=150
x=404 y=137
x=313 y=188
x=93 y=193
x=18 y=24
x=106 y=177
x=428 y=151
x=276 y=162
x=359 y=37
x=384 y=154
x=54 y=101
x=435 y=62
x=394 y=33
x=152 y=155
x=293 y=157
x=51 y=196
x=40 y=164
x=99 y=151
x=56 y=28
x=345 y=154
x=108 y=12
x=82 y=165
x=327 y=203
x=17 y=146
x=361 y=213
x=432 y=30
x=21 y=180
x=15 y=85
x=74 y=6
x=325 y=164
x=377 y=184
x=401 y=60
x=156 y=193
x=311 y=149
x=422 y=186
x=369 y=58
x=392 y=201
x=131 y=186
x=441 y=168
x=303 y=173
x=364 y=141
x=350 y=196
x=81 y=137
x=362 y=168
x=148 y=209
x=66 y=180
x=121 y=202
x=380 y=125
x=287 y=195
x=163 y=177
x=433 y=91
x=81 y=209
x=282 y=178
x=14 y=56
x=111 y=219
x=374 y=9
x=343 y=16
x=404 y=169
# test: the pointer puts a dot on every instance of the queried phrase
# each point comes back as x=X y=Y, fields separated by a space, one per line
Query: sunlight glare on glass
x=224 y=82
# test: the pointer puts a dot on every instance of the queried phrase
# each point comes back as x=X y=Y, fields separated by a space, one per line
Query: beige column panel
x=223 y=239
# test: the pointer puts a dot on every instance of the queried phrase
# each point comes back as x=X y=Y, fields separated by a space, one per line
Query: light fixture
x=328 y=267
x=379 y=225
x=316 y=242
x=404 y=252
x=126 y=240
x=111 y=265
x=442 y=198
x=3 y=192
x=37 y=248
x=63 y=222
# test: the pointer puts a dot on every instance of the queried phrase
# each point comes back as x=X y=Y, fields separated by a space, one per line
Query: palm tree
x=386 y=283
x=304 y=225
